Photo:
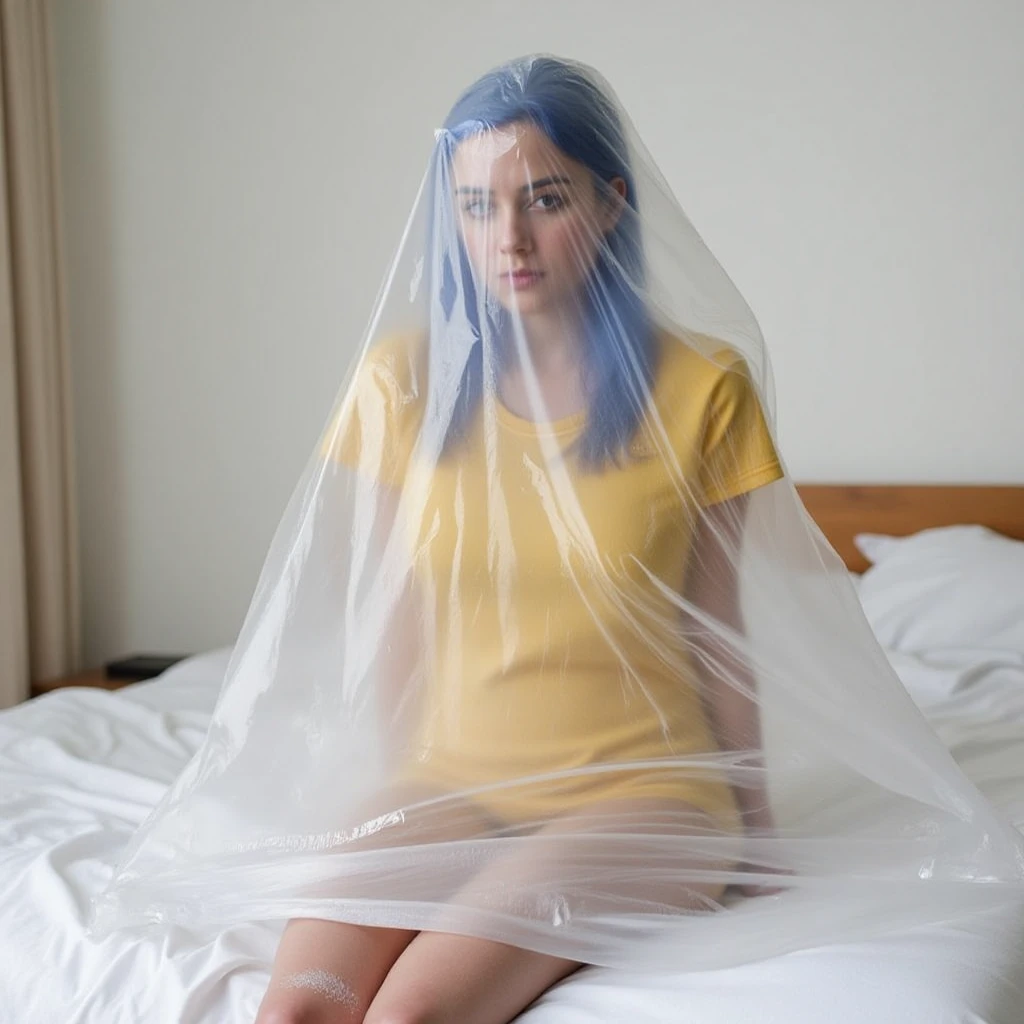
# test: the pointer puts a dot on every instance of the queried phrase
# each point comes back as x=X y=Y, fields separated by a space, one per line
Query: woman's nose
x=513 y=234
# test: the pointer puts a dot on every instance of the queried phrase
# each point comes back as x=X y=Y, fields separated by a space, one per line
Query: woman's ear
x=614 y=201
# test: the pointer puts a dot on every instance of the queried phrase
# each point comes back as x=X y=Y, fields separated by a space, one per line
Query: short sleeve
x=375 y=429
x=737 y=452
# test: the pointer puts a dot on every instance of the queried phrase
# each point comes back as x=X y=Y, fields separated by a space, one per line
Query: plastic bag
x=546 y=649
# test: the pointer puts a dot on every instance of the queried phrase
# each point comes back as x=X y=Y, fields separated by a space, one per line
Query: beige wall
x=236 y=173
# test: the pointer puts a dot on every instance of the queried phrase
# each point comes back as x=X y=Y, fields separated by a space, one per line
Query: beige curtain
x=39 y=604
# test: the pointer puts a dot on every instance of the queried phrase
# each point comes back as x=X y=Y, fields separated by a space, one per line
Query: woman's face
x=530 y=217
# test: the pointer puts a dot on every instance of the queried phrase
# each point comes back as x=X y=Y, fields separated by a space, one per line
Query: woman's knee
x=290 y=1008
x=400 y=1013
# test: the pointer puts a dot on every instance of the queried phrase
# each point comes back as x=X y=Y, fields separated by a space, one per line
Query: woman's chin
x=525 y=302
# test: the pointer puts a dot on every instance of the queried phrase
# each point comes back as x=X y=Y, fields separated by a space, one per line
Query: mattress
x=80 y=769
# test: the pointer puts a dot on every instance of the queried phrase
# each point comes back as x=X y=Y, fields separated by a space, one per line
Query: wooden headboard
x=841 y=511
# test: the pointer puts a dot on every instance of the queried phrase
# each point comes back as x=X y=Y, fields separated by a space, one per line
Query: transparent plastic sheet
x=546 y=649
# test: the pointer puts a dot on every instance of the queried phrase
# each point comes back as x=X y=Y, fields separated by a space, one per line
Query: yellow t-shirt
x=555 y=646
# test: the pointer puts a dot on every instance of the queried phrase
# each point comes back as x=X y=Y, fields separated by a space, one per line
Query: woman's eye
x=476 y=208
x=550 y=201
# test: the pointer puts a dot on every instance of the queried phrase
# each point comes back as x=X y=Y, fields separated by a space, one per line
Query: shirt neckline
x=532 y=428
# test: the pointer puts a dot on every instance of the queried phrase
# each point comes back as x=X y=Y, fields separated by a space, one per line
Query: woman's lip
x=522 y=280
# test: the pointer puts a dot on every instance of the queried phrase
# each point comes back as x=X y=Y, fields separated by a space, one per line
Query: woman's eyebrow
x=531 y=187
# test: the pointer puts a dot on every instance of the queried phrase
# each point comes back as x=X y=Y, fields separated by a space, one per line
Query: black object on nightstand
x=141 y=666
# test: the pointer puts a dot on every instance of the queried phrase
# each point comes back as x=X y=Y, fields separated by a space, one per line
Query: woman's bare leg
x=327 y=972
x=447 y=978
x=454 y=979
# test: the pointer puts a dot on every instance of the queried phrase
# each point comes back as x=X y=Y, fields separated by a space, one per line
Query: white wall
x=236 y=173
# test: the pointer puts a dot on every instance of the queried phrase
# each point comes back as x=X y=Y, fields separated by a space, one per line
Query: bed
x=80 y=769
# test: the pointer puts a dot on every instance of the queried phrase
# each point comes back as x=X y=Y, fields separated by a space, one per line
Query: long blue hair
x=619 y=340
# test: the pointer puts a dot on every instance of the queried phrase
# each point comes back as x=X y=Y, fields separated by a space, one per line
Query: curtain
x=40 y=621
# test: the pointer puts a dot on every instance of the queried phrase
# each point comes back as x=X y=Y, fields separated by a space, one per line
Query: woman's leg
x=441 y=977
x=327 y=972
x=453 y=979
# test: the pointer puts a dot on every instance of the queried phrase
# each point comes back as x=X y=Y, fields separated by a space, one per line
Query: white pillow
x=955 y=586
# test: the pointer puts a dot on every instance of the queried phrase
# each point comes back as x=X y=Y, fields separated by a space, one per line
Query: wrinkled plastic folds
x=546 y=649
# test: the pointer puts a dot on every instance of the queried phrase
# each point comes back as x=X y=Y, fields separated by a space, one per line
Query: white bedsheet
x=80 y=769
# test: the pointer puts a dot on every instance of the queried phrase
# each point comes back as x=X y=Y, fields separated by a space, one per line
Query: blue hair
x=574 y=113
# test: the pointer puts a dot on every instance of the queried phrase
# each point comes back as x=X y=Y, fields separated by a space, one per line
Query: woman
x=581 y=502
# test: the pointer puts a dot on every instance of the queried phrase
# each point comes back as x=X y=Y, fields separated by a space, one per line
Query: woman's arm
x=728 y=685
x=400 y=649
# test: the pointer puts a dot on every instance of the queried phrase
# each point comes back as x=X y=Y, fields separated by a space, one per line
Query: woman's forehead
x=508 y=157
